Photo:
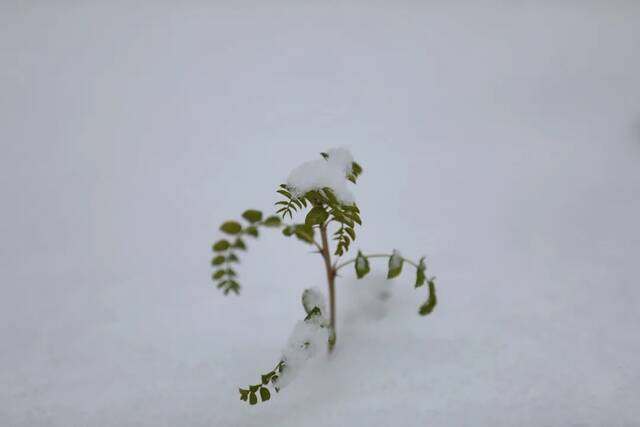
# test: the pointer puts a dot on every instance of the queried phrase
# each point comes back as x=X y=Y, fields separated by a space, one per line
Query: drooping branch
x=395 y=268
x=226 y=251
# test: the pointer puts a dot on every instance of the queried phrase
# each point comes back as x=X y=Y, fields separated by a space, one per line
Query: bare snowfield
x=501 y=140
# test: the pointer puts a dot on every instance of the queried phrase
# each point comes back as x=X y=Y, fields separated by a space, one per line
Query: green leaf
x=324 y=155
x=362 y=265
x=285 y=193
x=218 y=274
x=244 y=394
x=420 y=276
x=252 y=215
x=252 y=231
x=392 y=273
x=265 y=394
x=304 y=232
x=218 y=260
x=353 y=216
x=316 y=216
x=233 y=258
x=314 y=197
x=288 y=231
x=265 y=378
x=330 y=196
x=231 y=227
x=356 y=169
x=395 y=266
x=351 y=232
x=252 y=398
x=239 y=244
x=221 y=245
x=272 y=221
x=428 y=306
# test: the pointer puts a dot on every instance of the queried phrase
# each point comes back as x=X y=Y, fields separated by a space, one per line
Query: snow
x=312 y=298
x=502 y=141
x=340 y=158
x=309 y=338
x=321 y=173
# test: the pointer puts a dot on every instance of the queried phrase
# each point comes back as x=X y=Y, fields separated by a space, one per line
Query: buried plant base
x=321 y=188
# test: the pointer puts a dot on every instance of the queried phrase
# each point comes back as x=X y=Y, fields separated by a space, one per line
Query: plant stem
x=331 y=280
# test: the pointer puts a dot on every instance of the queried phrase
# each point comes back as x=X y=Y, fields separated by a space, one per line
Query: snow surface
x=321 y=173
x=501 y=140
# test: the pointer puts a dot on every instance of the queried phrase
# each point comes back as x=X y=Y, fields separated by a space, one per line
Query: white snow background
x=500 y=139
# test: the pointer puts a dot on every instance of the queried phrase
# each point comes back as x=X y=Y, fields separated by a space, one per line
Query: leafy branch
x=291 y=204
x=227 y=249
x=325 y=207
x=311 y=301
x=396 y=261
x=251 y=393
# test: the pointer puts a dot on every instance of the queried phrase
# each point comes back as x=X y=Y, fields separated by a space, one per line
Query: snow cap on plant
x=331 y=171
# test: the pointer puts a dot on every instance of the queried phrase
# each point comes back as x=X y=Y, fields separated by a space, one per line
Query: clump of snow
x=341 y=158
x=330 y=172
x=395 y=260
x=308 y=338
x=313 y=298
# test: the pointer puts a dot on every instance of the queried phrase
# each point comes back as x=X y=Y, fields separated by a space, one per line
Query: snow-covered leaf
x=395 y=264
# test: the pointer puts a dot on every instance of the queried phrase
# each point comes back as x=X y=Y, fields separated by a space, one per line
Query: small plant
x=321 y=189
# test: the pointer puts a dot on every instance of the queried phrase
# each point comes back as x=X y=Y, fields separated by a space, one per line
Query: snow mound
x=308 y=338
